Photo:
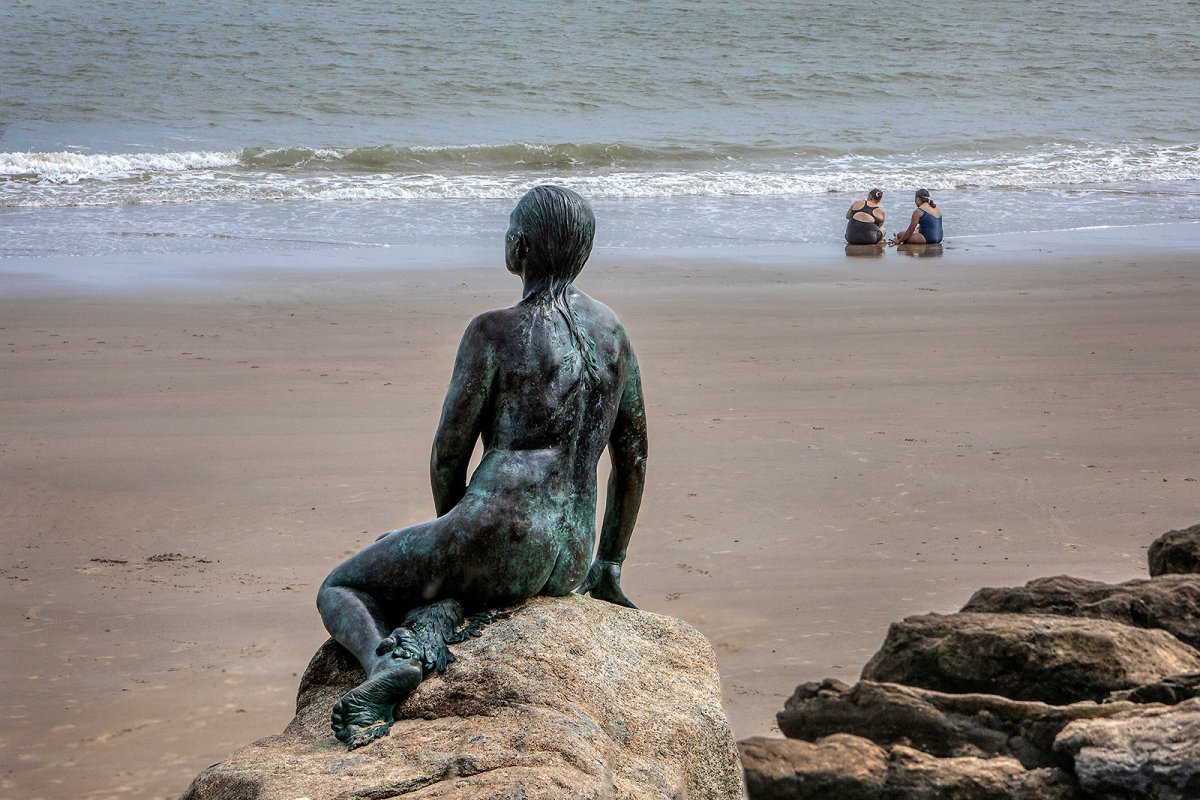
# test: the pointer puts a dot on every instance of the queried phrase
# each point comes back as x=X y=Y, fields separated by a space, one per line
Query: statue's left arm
x=628 y=449
x=462 y=413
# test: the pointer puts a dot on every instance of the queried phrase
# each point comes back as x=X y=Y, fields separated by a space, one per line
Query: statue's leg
x=354 y=619
x=410 y=575
x=392 y=664
x=368 y=593
x=359 y=599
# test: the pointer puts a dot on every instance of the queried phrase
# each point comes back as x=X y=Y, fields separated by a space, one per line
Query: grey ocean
x=698 y=128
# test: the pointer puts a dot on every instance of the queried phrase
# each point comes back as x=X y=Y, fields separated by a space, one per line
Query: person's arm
x=627 y=448
x=850 y=214
x=900 y=238
x=462 y=412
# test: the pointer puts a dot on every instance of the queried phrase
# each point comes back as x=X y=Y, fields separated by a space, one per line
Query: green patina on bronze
x=548 y=384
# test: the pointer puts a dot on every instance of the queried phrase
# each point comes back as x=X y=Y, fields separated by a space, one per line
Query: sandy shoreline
x=832 y=448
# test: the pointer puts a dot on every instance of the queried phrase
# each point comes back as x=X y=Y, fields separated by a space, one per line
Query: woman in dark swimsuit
x=926 y=224
x=866 y=220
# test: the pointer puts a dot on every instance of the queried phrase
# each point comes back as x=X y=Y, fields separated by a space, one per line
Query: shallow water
x=133 y=128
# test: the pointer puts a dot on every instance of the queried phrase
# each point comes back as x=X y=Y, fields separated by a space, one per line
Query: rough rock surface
x=1026 y=656
x=999 y=699
x=1175 y=551
x=1169 y=691
x=567 y=698
x=1151 y=752
x=943 y=725
x=851 y=768
x=1169 y=602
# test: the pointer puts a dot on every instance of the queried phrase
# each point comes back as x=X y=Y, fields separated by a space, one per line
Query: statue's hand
x=603 y=582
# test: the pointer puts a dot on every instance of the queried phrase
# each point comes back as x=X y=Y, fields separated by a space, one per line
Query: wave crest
x=460 y=160
x=601 y=171
x=71 y=168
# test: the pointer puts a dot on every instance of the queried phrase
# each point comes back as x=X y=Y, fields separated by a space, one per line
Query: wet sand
x=833 y=447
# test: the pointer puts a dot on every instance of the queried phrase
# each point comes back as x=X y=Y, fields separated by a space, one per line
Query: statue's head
x=549 y=238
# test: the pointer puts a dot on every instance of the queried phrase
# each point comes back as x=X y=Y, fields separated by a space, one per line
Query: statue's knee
x=325 y=594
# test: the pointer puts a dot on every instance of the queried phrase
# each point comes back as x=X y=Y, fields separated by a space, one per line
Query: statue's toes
x=337 y=721
x=406 y=645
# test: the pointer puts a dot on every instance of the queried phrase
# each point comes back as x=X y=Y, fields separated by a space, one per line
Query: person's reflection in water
x=920 y=250
x=866 y=250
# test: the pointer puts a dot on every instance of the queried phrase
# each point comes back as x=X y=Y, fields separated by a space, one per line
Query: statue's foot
x=432 y=627
x=367 y=712
x=400 y=644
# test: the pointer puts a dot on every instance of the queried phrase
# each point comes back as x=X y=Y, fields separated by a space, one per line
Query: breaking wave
x=598 y=170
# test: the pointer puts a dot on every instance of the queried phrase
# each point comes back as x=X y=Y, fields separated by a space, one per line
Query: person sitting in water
x=866 y=220
x=926 y=224
x=548 y=384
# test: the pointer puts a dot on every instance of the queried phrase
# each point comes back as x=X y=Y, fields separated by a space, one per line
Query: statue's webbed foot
x=367 y=712
x=473 y=625
x=429 y=629
x=432 y=627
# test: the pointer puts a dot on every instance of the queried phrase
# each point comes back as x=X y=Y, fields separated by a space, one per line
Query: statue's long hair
x=557 y=227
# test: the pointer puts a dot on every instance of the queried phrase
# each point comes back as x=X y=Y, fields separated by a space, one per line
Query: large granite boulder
x=1150 y=752
x=1169 y=602
x=1175 y=551
x=1026 y=656
x=943 y=725
x=568 y=698
x=852 y=768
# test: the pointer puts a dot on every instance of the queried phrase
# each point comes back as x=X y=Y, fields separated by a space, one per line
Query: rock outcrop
x=1026 y=656
x=1063 y=688
x=567 y=698
x=1175 y=551
x=851 y=768
x=940 y=724
x=1169 y=691
x=1168 y=602
x=1153 y=752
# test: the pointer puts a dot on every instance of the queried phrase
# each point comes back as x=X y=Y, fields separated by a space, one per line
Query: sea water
x=131 y=128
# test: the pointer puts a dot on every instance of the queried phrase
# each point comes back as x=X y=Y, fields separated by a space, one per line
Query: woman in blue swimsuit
x=926 y=224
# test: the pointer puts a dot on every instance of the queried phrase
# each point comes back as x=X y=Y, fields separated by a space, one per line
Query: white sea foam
x=60 y=179
x=71 y=168
x=33 y=180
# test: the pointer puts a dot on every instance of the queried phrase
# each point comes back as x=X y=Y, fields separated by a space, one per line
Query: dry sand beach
x=834 y=445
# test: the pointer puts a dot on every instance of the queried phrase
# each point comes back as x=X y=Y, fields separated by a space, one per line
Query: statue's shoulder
x=597 y=312
x=491 y=322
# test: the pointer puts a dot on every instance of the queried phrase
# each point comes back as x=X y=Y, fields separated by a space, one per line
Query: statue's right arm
x=628 y=449
x=462 y=411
